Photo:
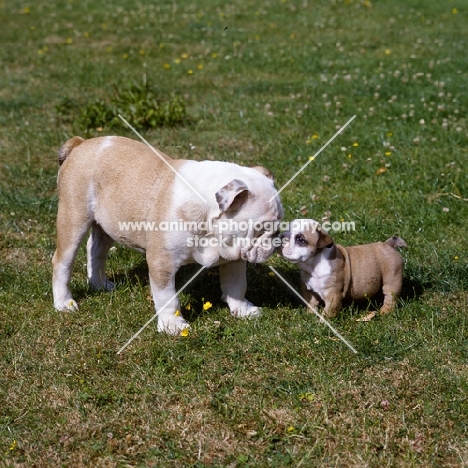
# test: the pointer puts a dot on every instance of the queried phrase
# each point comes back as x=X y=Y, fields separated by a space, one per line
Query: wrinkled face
x=250 y=230
x=303 y=240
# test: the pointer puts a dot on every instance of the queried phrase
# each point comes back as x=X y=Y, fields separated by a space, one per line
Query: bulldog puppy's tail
x=395 y=242
x=67 y=148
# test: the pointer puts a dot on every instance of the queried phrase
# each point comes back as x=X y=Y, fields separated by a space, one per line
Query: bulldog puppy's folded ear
x=232 y=196
x=324 y=239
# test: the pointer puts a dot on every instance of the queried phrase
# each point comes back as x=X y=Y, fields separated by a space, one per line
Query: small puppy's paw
x=246 y=309
x=68 y=306
x=173 y=325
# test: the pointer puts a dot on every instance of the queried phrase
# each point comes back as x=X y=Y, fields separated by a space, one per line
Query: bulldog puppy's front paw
x=68 y=306
x=173 y=325
x=245 y=309
x=99 y=285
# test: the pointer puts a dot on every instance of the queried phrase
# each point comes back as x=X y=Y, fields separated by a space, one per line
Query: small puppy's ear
x=232 y=196
x=263 y=170
x=324 y=239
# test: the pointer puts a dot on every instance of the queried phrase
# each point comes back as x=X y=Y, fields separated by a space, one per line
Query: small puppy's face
x=302 y=242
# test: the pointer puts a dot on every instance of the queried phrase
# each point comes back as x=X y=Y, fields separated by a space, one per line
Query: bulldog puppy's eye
x=300 y=240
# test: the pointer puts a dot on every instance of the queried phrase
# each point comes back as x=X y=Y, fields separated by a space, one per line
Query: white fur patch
x=106 y=143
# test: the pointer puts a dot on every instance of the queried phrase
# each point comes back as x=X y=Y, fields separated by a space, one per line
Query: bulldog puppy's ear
x=263 y=170
x=232 y=196
x=324 y=239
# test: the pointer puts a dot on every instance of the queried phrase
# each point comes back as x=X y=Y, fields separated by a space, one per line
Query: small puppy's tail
x=67 y=148
x=395 y=242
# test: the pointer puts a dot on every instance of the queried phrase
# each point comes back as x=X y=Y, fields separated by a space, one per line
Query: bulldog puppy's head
x=250 y=212
x=304 y=240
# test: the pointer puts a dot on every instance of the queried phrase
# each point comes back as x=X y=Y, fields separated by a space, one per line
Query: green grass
x=279 y=391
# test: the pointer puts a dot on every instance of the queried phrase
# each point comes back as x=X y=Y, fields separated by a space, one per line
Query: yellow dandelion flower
x=389 y=134
x=166 y=66
x=13 y=445
x=200 y=66
x=86 y=34
x=69 y=40
x=454 y=11
x=141 y=51
x=388 y=153
x=456 y=258
x=355 y=144
x=214 y=55
x=307 y=396
x=177 y=313
x=271 y=273
x=26 y=10
x=388 y=51
x=207 y=305
x=125 y=56
x=184 y=56
x=291 y=428
x=311 y=158
x=190 y=72
x=177 y=60
x=187 y=307
x=184 y=332
x=314 y=136
x=350 y=156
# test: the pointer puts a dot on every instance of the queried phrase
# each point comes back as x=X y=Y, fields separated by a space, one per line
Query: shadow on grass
x=264 y=288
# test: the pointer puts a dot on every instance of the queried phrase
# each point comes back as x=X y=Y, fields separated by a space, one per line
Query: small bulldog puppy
x=331 y=273
x=175 y=211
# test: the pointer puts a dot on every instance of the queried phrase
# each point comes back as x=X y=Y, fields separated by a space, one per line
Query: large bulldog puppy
x=175 y=211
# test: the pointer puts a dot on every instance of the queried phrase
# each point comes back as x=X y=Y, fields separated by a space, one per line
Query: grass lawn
x=264 y=83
